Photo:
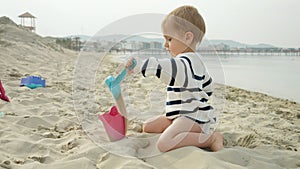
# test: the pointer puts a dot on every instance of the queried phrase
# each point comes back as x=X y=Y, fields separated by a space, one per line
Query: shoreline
x=263 y=93
x=270 y=75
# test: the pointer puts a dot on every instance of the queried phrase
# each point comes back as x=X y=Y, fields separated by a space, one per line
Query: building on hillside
x=28 y=21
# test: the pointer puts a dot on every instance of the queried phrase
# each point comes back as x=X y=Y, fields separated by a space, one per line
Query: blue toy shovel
x=114 y=83
x=114 y=86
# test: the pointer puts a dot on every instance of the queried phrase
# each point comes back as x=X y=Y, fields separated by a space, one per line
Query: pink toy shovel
x=114 y=124
x=2 y=93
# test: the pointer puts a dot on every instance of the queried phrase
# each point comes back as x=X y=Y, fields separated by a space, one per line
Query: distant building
x=155 y=45
x=28 y=21
x=145 y=45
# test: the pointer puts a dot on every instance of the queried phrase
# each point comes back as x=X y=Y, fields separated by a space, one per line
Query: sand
x=57 y=126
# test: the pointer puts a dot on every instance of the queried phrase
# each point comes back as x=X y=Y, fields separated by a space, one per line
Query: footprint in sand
x=247 y=141
x=104 y=157
x=5 y=164
x=69 y=146
x=39 y=159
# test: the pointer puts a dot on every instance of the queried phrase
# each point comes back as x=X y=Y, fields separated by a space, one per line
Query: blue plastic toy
x=33 y=82
x=114 y=83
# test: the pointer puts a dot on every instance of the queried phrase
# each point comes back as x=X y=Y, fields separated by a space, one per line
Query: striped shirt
x=189 y=86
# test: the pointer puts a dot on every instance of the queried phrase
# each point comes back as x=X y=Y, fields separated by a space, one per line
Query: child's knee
x=146 y=127
x=150 y=128
x=163 y=146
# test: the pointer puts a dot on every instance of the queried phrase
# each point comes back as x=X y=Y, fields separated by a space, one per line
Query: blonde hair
x=187 y=18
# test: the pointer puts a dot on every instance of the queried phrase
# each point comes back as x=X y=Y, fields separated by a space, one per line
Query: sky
x=273 y=22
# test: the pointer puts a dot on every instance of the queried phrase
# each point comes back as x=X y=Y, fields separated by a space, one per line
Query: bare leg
x=157 y=124
x=184 y=132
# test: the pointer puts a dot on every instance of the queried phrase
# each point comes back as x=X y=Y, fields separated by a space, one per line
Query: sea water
x=273 y=75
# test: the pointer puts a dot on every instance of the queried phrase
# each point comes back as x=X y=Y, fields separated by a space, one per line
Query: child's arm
x=207 y=85
x=161 y=68
x=170 y=71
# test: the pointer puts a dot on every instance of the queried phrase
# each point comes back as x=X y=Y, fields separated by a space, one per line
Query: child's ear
x=189 y=37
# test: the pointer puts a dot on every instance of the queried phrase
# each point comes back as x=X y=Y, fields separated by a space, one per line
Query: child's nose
x=166 y=45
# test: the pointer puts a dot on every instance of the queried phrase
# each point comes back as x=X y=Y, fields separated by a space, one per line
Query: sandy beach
x=57 y=126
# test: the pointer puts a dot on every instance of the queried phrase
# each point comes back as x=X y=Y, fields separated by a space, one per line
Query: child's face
x=176 y=40
x=175 y=45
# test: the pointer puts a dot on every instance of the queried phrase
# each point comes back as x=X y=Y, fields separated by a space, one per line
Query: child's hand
x=128 y=64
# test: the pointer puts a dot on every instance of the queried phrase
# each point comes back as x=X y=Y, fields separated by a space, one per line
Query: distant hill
x=26 y=53
x=140 y=38
x=117 y=37
x=235 y=44
x=12 y=35
x=262 y=45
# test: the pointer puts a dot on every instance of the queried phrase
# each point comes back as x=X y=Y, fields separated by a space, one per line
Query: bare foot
x=217 y=142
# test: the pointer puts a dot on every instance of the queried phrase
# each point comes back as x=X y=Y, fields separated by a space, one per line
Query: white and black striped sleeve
x=207 y=85
x=171 y=71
